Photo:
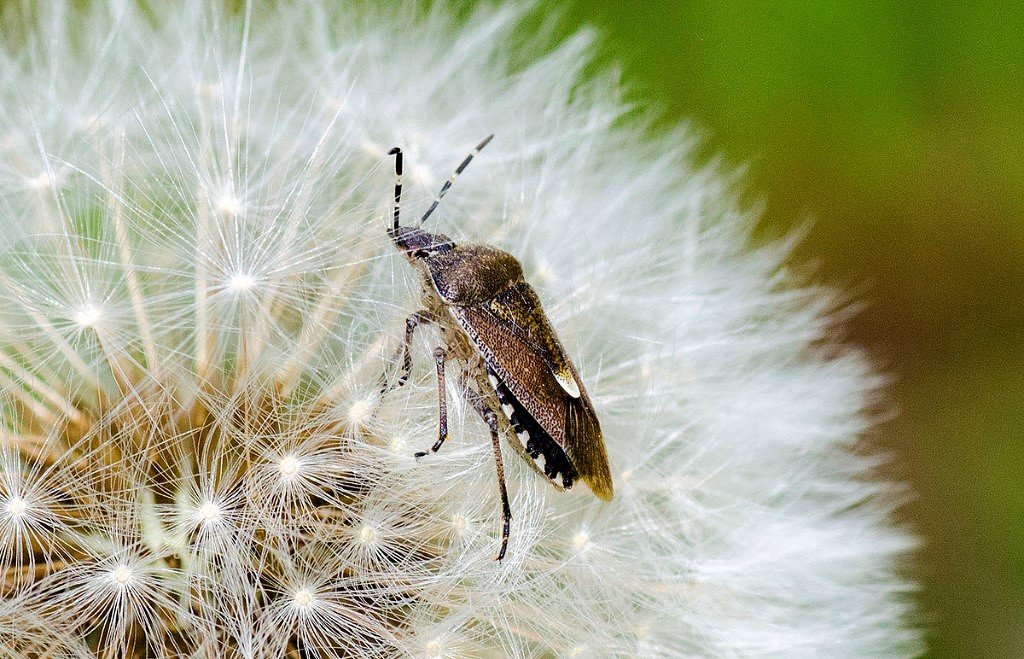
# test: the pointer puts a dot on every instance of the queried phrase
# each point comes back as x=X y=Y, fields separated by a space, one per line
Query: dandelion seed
x=87 y=316
x=544 y=272
x=241 y=282
x=16 y=507
x=303 y=599
x=581 y=541
x=399 y=445
x=459 y=524
x=208 y=512
x=208 y=90
x=432 y=649
x=42 y=181
x=289 y=467
x=90 y=123
x=423 y=176
x=367 y=535
x=372 y=149
x=359 y=412
x=229 y=205
x=121 y=575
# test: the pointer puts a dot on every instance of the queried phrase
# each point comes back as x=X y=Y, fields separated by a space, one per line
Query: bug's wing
x=523 y=353
x=519 y=308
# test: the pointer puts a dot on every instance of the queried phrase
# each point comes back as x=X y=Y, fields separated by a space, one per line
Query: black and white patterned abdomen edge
x=545 y=451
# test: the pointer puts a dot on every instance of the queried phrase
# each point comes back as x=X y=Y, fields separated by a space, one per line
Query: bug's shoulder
x=472 y=273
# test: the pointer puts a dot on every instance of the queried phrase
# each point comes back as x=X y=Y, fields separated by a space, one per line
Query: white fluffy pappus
x=197 y=301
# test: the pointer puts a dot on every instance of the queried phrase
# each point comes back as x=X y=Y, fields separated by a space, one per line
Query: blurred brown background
x=898 y=128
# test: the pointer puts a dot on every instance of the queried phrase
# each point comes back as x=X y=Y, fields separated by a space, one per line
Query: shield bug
x=514 y=371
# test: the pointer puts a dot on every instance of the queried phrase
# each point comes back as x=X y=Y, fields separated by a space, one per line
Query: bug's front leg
x=442 y=404
x=478 y=403
x=421 y=317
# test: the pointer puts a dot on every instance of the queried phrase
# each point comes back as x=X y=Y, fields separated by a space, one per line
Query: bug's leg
x=506 y=511
x=442 y=404
x=478 y=403
x=403 y=352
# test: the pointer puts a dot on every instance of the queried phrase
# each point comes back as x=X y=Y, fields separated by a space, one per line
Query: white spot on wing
x=568 y=383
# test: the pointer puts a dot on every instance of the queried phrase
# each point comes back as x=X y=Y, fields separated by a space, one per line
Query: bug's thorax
x=472 y=274
x=456 y=274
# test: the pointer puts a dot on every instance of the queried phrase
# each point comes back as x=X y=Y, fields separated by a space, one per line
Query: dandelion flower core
x=198 y=300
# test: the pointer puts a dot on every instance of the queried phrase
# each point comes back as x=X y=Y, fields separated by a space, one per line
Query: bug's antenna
x=397 y=153
x=448 y=183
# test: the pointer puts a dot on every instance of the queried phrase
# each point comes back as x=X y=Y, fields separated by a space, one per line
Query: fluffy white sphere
x=197 y=298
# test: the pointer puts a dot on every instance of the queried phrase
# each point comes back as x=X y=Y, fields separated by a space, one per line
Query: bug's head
x=417 y=244
x=414 y=242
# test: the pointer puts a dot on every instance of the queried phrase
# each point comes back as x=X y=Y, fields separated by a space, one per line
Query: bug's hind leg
x=506 y=511
x=491 y=419
x=442 y=404
x=403 y=352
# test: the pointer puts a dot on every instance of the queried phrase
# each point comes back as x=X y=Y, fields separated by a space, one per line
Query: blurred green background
x=898 y=128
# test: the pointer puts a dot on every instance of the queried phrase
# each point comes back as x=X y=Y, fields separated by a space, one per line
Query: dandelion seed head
x=214 y=467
